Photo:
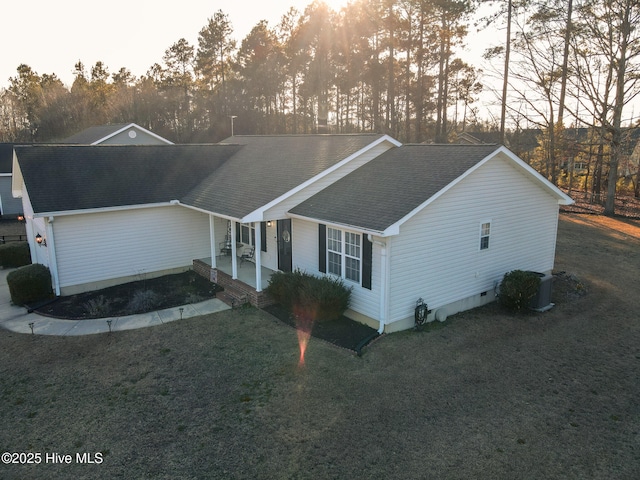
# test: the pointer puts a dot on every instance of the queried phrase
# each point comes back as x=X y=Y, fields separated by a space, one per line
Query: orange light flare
x=305 y=317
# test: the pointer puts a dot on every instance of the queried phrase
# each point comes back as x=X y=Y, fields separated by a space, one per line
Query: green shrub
x=518 y=288
x=284 y=287
x=15 y=254
x=325 y=298
x=29 y=284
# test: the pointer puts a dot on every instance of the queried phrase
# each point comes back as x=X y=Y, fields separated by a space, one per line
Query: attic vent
x=132 y=134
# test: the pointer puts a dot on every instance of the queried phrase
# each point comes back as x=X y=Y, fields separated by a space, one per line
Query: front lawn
x=239 y=395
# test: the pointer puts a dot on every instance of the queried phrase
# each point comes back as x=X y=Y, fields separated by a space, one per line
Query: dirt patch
x=134 y=297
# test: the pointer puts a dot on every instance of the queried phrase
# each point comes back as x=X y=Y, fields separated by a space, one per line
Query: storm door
x=284 y=245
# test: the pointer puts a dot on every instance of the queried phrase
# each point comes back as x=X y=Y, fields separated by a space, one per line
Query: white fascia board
x=258 y=214
x=17 y=181
x=104 y=209
x=137 y=127
x=208 y=212
x=5 y=174
x=338 y=225
x=563 y=199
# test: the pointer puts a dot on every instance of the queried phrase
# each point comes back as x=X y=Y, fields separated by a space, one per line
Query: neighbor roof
x=269 y=166
x=6 y=157
x=389 y=187
x=66 y=178
x=100 y=133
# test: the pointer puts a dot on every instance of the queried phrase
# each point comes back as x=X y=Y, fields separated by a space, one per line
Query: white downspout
x=53 y=264
x=383 y=277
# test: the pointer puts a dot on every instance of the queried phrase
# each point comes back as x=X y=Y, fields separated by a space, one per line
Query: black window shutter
x=367 y=260
x=238 y=239
x=263 y=236
x=253 y=235
x=322 y=248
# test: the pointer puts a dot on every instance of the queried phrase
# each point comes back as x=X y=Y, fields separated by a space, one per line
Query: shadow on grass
x=343 y=332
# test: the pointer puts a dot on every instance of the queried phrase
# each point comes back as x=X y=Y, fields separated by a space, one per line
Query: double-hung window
x=344 y=254
x=485 y=233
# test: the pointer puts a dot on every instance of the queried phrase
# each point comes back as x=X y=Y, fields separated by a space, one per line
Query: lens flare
x=305 y=317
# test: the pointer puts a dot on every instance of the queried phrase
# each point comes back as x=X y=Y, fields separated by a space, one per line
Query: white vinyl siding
x=103 y=246
x=305 y=257
x=437 y=255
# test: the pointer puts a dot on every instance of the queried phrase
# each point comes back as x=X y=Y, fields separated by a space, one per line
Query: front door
x=284 y=245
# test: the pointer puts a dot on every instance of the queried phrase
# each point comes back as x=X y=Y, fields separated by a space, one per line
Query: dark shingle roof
x=63 y=178
x=270 y=166
x=383 y=191
x=6 y=157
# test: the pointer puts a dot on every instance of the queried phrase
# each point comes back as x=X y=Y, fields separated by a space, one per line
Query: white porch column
x=212 y=237
x=258 y=257
x=234 y=253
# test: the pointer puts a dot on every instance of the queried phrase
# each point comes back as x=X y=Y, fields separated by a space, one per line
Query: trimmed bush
x=15 y=254
x=518 y=288
x=30 y=284
x=325 y=298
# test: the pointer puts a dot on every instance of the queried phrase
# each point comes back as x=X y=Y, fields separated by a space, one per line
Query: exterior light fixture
x=21 y=218
x=269 y=223
x=41 y=241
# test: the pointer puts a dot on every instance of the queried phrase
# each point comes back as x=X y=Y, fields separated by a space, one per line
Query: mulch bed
x=344 y=332
x=141 y=296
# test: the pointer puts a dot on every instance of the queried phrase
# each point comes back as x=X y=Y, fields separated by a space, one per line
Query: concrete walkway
x=16 y=319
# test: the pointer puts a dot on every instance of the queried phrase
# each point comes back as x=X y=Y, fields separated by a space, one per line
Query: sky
x=51 y=36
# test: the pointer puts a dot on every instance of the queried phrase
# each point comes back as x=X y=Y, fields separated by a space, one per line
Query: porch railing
x=12 y=238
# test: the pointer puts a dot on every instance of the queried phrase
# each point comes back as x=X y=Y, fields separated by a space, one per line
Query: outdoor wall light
x=269 y=223
x=41 y=241
x=21 y=218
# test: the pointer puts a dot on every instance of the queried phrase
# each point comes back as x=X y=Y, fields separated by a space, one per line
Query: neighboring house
x=9 y=206
x=116 y=134
x=439 y=222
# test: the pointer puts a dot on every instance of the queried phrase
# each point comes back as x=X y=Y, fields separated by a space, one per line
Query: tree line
x=387 y=66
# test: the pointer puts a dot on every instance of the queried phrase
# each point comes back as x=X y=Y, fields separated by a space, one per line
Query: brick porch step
x=232 y=296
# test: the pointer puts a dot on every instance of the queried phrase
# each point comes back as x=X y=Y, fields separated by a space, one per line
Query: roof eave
x=132 y=125
x=85 y=211
x=563 y=199
x=346 y=226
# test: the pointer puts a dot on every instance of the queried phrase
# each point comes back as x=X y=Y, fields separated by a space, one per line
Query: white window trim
x=483 y=235
x=251 y=227
x=343 y=255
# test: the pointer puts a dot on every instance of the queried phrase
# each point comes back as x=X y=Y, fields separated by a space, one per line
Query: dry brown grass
x=485 y=395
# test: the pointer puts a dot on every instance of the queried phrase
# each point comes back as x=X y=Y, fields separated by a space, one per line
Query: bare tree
x=606 y=62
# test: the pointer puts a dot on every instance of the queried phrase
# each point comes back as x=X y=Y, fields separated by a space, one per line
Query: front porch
x=241 y=289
